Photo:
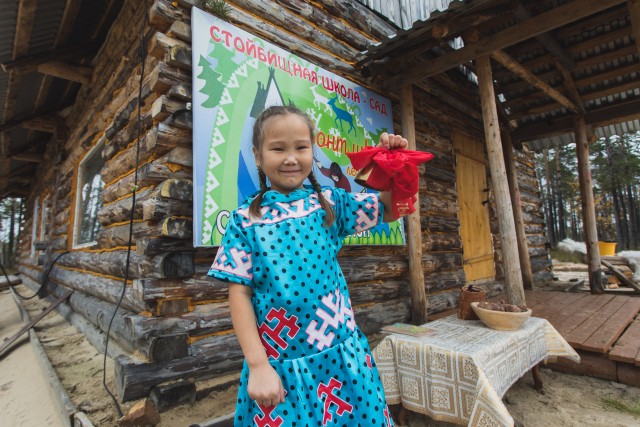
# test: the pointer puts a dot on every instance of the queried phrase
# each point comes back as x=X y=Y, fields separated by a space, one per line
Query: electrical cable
x=42 y=286
x=143 y=56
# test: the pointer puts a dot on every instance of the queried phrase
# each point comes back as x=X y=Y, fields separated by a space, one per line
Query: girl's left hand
x=390 y=141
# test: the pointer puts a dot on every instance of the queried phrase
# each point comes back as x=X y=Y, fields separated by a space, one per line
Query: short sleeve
x=356 y=212
x=233 y=261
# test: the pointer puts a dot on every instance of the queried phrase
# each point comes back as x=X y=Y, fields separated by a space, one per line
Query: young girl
x=306 y=361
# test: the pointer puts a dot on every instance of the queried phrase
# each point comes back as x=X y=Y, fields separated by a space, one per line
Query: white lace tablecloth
x=460 y=372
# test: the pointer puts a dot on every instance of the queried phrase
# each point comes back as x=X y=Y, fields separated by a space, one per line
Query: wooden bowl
x=501 y=320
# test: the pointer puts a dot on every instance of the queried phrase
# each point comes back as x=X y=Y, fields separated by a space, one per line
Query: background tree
x=615 y=163
x=11 y=214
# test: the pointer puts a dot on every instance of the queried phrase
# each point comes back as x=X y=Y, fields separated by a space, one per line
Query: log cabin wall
x=174 y=321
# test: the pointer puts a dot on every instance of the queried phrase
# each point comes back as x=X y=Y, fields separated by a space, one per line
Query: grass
x=564 y=256
x=612 y=403
x=219 y=8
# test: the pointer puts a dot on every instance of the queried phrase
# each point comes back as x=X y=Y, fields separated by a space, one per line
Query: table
x=462 y=369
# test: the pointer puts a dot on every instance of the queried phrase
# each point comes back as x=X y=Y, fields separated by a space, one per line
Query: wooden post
x=506 y=223
x=634 y=14
x=414 y=236
x=512 y=178
x=588 y=207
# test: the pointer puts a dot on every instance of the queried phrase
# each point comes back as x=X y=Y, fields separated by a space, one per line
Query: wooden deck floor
x=604 y=324
x=603 y=329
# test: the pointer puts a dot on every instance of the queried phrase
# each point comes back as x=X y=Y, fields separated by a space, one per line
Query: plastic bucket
x=607 y=248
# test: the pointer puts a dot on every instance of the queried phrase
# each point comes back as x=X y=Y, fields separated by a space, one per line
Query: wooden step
x=604 y=338
x=628 y=346
x=596 y=320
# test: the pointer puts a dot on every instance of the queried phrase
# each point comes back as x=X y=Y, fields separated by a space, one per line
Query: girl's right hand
x=265 y=385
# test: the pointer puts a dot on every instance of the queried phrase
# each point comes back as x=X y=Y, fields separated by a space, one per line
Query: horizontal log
x=181 y=92
x=164 y=76
x=161 y=44
x=165 y=106
x=120 y=210
x=195 y=288
x=182 y=119
x=222 y=353
x=371 y=318
x=103 y=288
x=60 y=243
x=282 y=37
x=128 y=135
x=179 y=189
x=157 y=208
x=438 y=224
x=135 y=380
x=180 y=30
x=444 y=280
x=158 y=140
x=175 y=164
x=377 y=291
x=204 y=319
x=162 y=14
x=158 y=245
x=99 y=313
x=171 y=265
x=279 y=17
x=177 y=228
x=180 y=57
x=441 y=242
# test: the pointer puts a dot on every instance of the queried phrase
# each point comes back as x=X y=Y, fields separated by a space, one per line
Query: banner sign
x=237 y=75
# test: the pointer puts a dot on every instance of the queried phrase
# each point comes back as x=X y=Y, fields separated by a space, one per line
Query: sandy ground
x=23 y=384
x=568 y=400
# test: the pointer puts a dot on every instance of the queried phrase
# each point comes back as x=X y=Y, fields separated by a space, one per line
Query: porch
x=603 y=329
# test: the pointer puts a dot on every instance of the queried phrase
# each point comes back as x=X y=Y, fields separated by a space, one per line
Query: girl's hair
x=259 y=129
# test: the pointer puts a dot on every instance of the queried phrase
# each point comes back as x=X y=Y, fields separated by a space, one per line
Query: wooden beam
x=634 y=15
x=588 y=206
x=620 y=275
x=604 y=93
x=539 y=24
x=414 y=236
x=610 y=114
x=75 y=73
x=430 y=35
x=549 y=43
x=28 y=156
x=30 y=62
x=506 y=223
x=38 y=118
x=49 y=124
x=570 y=85
x=513 y=66
x=24 y=24
x=514 y=191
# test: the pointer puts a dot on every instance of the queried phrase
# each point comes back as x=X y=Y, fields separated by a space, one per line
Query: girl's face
x=286 y=154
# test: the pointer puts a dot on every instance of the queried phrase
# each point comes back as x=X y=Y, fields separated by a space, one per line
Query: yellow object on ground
x=607 y=248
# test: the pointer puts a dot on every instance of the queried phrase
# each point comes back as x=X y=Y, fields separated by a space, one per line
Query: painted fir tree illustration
x=213 y=80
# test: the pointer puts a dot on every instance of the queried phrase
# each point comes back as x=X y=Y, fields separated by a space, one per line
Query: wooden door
x=475 y=232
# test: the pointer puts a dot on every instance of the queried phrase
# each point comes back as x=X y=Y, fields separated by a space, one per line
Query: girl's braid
x=255 y=209
x=330 y=216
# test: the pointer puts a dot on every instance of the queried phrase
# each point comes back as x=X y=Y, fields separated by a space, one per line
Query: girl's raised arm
x=265 y=385
x=390 y=142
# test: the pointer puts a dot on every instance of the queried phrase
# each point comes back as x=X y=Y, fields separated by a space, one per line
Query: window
x=34 y=227
x=88 y=198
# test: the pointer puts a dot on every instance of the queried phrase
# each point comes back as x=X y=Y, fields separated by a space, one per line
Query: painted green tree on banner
x=213 y=84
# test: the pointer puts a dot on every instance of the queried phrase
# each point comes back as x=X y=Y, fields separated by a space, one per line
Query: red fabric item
x=395 y=171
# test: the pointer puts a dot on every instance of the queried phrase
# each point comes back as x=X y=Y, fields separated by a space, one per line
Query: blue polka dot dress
x=302 y=305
